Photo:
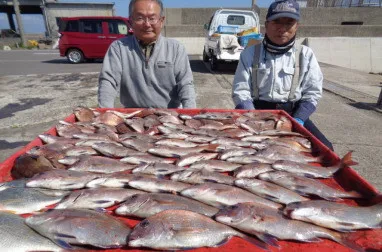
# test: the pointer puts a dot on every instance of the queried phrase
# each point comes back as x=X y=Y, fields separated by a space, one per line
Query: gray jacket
x=164 y=81
x=274 y=77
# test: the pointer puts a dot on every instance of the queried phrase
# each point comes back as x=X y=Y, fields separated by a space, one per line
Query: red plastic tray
x=347 y=179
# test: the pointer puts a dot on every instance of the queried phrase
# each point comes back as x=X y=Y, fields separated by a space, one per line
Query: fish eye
x=134 y=196
x=234 y=207
x=144 y=223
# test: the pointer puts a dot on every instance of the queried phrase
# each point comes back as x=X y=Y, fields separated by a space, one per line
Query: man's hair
x=132 y=3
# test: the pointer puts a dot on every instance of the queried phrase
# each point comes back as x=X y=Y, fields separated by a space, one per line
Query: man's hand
x=247 y=104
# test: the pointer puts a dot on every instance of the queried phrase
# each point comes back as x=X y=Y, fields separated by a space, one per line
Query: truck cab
x=225 y=35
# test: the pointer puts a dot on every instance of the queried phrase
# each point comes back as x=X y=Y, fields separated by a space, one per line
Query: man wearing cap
x=277 y=74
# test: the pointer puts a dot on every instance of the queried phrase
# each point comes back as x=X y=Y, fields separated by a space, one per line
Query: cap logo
x=284 y=7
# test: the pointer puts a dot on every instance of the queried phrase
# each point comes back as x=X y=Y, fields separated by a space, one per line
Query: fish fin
x=267 y=238
x=100 y=210
x=63 y=244
x=270 y=197
x=62 y=235
x=210 y=180
x=212 y=147
x=257 y=242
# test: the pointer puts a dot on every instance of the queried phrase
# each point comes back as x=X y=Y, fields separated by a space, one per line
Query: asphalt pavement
x=36 y=92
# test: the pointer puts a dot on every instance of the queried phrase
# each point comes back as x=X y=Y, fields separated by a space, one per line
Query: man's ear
x=163 y=20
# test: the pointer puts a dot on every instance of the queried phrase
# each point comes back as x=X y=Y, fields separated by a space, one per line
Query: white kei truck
x=228 y=33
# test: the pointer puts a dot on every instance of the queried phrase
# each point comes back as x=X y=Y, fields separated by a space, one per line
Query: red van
x=87 y=38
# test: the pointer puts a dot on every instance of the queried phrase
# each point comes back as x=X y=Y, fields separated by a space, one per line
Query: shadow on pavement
x=364 y=105
x=12 y=108
x=4 y=145
x=66 y=62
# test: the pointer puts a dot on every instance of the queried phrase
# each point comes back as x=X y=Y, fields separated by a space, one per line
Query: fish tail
x=344 y=240
x=347 y=160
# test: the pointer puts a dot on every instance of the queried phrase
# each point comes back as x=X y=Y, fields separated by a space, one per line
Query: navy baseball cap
x=283 y=8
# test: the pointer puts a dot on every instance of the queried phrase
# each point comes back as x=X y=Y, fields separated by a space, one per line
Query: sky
x=35 y=24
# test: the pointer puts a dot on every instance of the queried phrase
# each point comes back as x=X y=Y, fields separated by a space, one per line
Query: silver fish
x=269 y=191
x=219 y=195
x=176 y=143
x=16 y=236
x=117 y=180
x=255 y=219
x=250 y=159
x=96 y=198
x=61 y=179
x=252 y=170
x=148 y=184
x=236 y=152
x=201 y=176
x=80 y=150
x=335 y=215
x=168 y=151
x=277 y=152
x=80 y=227
x=200 y=139
x=100 y=164
x=214 y=165
x=310 y=170
x=25 y=200
x=148 y=158
x=137 y=144
x=231 y=141
x=145 y=205
x=182 y=229
x=112 y=150
x=195 y=157
x=157 y=169
x=306 y=186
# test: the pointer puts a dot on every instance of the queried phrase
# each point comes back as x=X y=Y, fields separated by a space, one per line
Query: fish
x=231 y=141
x=199 y=139
x=91 y=142
x=20 y=200
x=170 y=119
x=311 y=170
x=258 y=138
x=287 y=142
x=195 y=157
x=182 y=229
x=306 y=186
x=280 y=133
x=277 y=152
x=96 y=198
x=136 y=123
x=137 y=144
x=157 y=185
x=269 y=191
x=145 y=205
x=83 y=114
x=109 y=118
x=176 y=143
x=169 y=151
x=214 y=165
x=61 y=179
x=16 y=236
x=80 y=150
x=145 y=159
x=254 y=219
x=116 y=180
x=99 y=164
x=27 y=165
x=236 y=152
x=201 y=176
x=219 y=195
x=337 y=216
x=157 y=169
x=68 y=227
x=110 y=149
x=252 y=170
x=49 y=139
x=249 y=159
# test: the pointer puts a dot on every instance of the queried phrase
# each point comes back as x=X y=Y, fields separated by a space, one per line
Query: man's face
x=281 y=30
x=146 y=21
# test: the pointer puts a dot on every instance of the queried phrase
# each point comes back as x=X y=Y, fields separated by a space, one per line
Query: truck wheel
x=205 y=56
x=75 y=56
x=214 y=63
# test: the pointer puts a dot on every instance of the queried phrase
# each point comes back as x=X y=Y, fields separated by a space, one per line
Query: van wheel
x=214 y=63
x=205 y=56
x=75 y=56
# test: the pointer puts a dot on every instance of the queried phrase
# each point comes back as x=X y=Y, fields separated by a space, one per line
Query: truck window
x=235 y=20
x=92 y=26
x=117 y=27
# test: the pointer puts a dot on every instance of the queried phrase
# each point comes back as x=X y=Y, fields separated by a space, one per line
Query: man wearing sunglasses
x=277 y=74
x=146 y=69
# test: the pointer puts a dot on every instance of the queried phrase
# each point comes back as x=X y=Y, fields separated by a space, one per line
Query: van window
x=235 y=20
x=117 y=27
x=71 y=26
x=91 y=26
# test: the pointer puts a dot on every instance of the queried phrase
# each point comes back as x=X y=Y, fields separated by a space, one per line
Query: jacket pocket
x=286 y=76
x=262 y=76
